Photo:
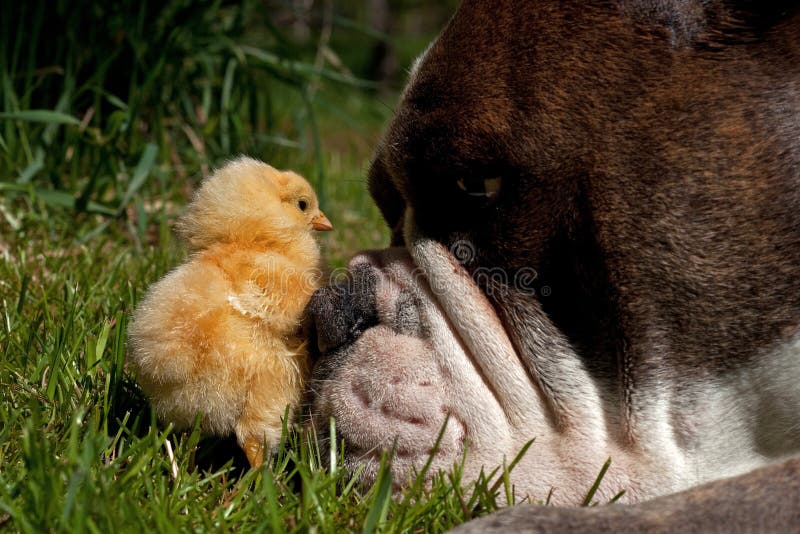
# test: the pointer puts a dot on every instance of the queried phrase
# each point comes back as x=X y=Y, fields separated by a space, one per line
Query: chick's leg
x=275 y=385
x=254 y=450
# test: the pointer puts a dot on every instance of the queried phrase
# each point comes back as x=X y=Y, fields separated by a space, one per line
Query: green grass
x=109 y=116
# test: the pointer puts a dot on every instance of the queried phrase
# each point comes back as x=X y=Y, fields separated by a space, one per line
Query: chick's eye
x=480 y=187
x=302 y=204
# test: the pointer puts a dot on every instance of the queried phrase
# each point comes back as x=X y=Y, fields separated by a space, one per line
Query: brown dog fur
x=650 y=167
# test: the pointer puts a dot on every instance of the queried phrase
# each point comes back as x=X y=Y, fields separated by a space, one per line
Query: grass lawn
x=110 y=113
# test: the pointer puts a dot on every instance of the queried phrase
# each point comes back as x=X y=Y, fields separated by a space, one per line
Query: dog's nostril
x=360 y=393
x=341 y=312
x=390 y=413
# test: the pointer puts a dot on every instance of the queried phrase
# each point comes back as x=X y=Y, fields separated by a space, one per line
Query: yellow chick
x=218 y=336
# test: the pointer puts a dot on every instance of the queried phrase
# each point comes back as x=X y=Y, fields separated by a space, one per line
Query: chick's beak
x=320 y=222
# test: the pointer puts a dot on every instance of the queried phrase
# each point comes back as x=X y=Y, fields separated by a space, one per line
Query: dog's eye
x=478 y=187
x=302 y=204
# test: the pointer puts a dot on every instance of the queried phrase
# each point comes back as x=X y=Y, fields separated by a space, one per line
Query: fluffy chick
x=218 y=336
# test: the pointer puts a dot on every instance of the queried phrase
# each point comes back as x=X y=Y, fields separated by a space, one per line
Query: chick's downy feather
x=218 y=336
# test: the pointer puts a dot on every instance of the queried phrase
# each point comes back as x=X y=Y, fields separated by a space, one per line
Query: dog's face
x=580 y=191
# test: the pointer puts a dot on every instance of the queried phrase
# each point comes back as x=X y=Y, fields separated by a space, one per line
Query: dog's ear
x=385 y=194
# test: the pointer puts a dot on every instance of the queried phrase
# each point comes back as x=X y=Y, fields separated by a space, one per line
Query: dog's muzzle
x=375 y=372
x=408 y=345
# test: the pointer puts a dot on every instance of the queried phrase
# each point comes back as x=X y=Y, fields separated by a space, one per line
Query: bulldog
x=595 y=210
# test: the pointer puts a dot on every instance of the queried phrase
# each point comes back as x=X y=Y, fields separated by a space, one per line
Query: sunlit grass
x=110 y=114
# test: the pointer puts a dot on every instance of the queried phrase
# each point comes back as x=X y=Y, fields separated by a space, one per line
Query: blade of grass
x=382 y=499
x=590 y=495
x=140 y=174
x=225 y=105
x=57 y=199
x=33 y=168
x=513 y=464
x=616 y=497
x=40 y=115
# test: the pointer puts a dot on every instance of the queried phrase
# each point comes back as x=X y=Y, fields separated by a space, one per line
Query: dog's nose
x=339 y=313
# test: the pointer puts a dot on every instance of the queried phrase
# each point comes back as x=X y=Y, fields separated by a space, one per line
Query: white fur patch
x=237 y=305
x=747 y=418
